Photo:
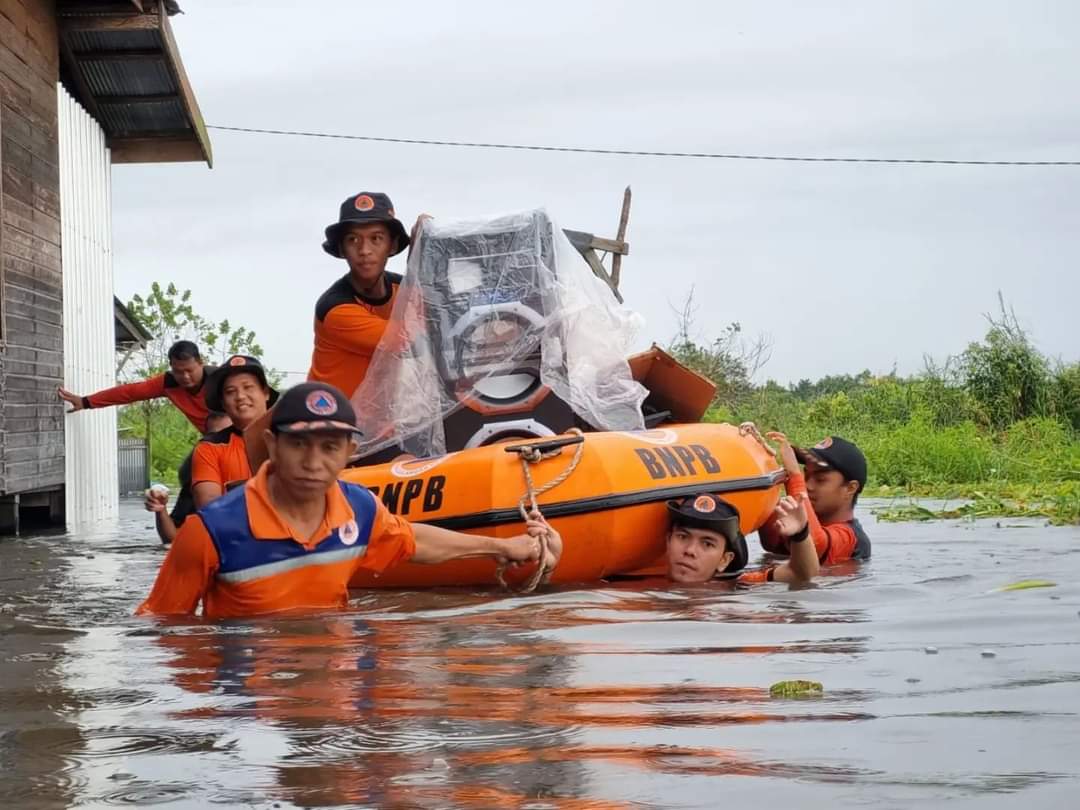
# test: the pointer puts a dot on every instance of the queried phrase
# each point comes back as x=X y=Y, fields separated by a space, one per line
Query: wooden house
x=84 y=84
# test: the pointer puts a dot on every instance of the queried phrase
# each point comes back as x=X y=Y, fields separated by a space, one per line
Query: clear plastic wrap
x=491 y=311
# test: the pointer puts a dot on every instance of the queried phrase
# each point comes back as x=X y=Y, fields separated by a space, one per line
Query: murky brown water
x=625 y=695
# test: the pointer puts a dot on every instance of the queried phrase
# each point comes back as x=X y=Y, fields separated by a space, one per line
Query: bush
x=1066 y=394
x=1006 y=375
x=1038 y=449
x=918 y=454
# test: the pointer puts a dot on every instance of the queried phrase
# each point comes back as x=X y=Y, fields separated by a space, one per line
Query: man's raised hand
x=790 y=517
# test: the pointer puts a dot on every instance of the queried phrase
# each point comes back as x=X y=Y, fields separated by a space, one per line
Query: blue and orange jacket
x=239 y=557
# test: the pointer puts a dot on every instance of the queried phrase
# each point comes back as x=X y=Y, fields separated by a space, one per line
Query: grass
x=1029 y=469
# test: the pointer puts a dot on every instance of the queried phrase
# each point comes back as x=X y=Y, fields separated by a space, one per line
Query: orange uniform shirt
x=348 y=327
x=835 y=542
x=220 y=458
x=192 y=405
x=289 y=572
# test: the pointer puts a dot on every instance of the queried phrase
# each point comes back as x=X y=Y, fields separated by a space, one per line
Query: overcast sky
x=845 y=266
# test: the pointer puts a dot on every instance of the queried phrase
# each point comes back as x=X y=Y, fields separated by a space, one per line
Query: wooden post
x=9 y=514
x=624 y=220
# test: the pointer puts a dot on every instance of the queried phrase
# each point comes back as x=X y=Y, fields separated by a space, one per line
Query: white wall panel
x=92 y=488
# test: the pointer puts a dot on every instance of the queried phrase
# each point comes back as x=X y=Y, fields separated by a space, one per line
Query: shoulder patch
x=220 y=437
x=340 y=292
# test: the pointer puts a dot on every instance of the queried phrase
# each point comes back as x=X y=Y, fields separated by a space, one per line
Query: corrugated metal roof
x=128 y=78
x=138 y=39
x=124 y=66
x=144 y=118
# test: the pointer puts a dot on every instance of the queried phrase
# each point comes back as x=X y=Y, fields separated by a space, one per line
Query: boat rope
x=533 y=454
x=750 y=429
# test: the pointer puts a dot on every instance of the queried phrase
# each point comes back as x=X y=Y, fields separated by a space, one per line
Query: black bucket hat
x=714 y=514
x=363 y=209
x=237 y=364
x=838 y=454
x=313 y=407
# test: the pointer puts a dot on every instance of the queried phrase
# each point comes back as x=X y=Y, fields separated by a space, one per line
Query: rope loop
x=750 y=429
x=533 y=454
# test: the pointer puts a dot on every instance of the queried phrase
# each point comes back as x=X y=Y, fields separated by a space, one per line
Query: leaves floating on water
x=782 y=689
x=1059 y=505
x=1025 y=584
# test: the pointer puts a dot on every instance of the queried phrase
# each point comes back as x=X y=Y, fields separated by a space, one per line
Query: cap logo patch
x=824 y=444
x=237 y=360
x=321 y=403
x=704 y=503
x=364 y=203
x=349 y=533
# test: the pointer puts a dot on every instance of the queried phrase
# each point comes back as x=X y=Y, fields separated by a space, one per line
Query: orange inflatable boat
x=610 y=509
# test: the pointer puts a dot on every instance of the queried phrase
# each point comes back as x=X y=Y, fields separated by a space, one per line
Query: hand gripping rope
x=534 y=454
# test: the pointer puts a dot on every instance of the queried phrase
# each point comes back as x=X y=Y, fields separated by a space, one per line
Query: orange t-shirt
x=348 y=328
x=220 y=458
x=192 y=405
x=315 y=575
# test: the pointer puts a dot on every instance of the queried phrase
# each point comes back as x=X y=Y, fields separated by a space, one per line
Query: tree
x=168 y=315
x=728 y=361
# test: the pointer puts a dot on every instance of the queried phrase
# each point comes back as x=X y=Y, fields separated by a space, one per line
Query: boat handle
x=546 y=445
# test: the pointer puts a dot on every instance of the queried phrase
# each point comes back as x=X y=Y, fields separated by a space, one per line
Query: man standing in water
x=835 y=475
x=352 y=315
x=183 y=385
x=240 y=390
x=294 y=535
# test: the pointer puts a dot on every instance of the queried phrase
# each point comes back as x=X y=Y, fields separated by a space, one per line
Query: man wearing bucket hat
x=351 y=316
x=835 y=474
x=240 y=390
x=294 y=535
x=704 y=541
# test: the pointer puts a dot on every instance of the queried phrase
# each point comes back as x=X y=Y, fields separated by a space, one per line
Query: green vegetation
x=167 y=314
x=997 y=427
x=796 y=689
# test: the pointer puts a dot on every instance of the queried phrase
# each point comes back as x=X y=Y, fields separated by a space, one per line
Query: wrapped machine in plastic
x=499 y=330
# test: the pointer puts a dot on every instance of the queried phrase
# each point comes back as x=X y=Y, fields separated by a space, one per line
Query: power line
x=643 y=152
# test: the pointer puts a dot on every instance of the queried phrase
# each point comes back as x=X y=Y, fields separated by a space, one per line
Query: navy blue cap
x=313 y=407
x=838 y=454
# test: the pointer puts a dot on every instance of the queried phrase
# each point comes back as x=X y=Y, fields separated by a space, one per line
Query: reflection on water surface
x=616 y=695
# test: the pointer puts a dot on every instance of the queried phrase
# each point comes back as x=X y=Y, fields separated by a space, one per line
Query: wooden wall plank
x=32 y=421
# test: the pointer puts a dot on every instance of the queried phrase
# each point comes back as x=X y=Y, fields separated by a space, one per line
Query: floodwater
x=612 y=695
